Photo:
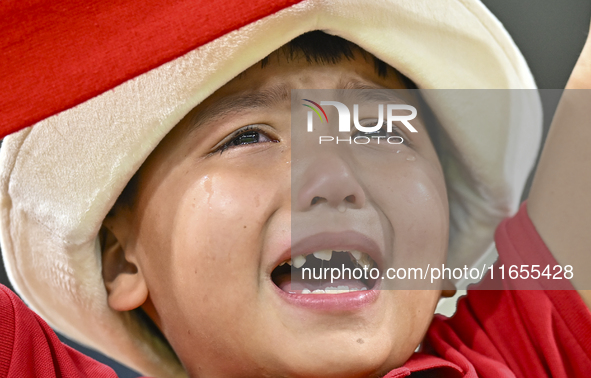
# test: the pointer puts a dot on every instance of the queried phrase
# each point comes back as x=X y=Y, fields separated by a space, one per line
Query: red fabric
x=518 y=333
x=494 y=333
x=30 y=348
x=57 y=54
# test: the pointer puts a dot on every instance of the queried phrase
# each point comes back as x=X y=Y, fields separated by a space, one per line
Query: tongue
x=286 y=284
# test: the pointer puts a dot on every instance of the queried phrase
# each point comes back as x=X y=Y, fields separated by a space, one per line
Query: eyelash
x=239 y=133
x=250 y=128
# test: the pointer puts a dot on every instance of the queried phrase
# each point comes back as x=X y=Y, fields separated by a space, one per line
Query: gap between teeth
x=333 y=290
x=362 y=259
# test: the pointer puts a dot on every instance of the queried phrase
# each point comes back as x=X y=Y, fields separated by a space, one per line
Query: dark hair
x=317 y=47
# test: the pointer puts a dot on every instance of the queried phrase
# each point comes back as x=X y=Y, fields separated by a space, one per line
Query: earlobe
x=125 y=284
x=448 y=289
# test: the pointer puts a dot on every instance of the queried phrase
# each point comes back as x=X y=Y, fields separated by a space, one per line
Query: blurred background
x=550 y=35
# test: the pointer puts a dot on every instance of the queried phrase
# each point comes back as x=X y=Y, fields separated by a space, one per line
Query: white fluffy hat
x=60 y=177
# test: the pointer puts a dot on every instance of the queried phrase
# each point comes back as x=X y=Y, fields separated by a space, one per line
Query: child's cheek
x=221 y=220
x=216 y=216
x=414 y=202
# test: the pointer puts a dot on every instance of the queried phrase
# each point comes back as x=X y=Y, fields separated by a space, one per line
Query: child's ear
x=448 y=289
x=125 y=284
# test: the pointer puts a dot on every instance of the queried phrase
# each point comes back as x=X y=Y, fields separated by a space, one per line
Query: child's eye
x=246 y=135
x=381 y=133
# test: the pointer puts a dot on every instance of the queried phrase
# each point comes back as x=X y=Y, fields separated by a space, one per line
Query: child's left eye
x=246 y=135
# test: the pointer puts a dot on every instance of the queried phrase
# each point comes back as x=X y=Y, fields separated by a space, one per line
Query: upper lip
x=336 y=241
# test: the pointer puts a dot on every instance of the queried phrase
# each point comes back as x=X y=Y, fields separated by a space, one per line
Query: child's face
x=208 y=228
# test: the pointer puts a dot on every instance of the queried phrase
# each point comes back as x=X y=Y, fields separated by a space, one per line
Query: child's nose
x=330 y=181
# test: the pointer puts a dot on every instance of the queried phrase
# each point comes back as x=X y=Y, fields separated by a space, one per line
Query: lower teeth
x=333 y=290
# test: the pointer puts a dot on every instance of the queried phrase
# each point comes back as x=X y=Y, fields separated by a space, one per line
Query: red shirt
x=494 y=333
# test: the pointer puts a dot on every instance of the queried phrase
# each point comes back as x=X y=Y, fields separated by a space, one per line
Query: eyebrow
x=240 y=102
x=364 y=92
x=281 y=93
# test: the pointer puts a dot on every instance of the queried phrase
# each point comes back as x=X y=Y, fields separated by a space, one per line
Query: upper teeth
x=361 y=258
x=298 y=261
x=325 y=255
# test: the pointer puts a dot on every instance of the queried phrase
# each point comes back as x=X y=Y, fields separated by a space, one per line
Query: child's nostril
x=315 y=200
x=350 y=199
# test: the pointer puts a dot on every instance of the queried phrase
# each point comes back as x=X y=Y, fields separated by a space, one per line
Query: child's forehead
x=279 y=95
x=349 y=72
x=271 y=85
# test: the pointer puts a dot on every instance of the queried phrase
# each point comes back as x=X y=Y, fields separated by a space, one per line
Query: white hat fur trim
x=59 y=178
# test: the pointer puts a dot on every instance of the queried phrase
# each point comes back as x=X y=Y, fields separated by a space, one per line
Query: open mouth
x=326 y=272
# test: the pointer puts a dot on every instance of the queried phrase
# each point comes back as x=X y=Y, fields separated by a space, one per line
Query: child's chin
x=351 y=368
x=361 y=361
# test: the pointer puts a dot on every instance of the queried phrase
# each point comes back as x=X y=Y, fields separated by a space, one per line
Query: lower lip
x=331 y=302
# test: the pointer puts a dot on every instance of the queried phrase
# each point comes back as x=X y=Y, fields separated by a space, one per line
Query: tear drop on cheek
x=398 y=151
x=411 y=158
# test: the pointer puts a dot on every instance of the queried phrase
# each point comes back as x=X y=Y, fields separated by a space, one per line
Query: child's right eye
x=247 y=135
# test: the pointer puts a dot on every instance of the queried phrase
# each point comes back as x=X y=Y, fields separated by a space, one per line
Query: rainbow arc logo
x=316 y=111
